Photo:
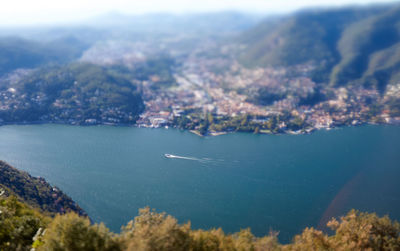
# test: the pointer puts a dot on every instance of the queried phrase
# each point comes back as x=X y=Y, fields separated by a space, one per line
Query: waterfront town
x=208 y=95
x=293 y=103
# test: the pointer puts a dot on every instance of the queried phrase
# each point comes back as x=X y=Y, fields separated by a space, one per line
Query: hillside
x=35 y=191
x=18 y=53
x=78 y=93
x=368 y=51
x=344 y=44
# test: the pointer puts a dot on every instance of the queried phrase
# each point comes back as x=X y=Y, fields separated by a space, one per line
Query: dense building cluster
x=285 y=95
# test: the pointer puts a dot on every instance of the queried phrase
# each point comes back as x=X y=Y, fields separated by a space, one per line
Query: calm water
x=279 y=182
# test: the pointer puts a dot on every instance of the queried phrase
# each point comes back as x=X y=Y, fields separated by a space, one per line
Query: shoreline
x=212 y=134
x=66 y=123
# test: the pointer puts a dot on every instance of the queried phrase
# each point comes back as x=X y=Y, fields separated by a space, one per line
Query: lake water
x=278 y=182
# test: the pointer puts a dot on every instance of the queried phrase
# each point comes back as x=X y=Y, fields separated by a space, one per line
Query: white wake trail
x=171 y=156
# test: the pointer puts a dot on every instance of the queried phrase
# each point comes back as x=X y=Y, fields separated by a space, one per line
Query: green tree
x=214 y=239
x=71 y=232
x=151 y=231
x=364 y=231
x=18 y=224
x=210 y=118
x=310 y=239
x=355 y=231
x=245 y=120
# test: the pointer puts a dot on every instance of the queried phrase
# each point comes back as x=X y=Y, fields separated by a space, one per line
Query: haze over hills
x=346 y=44
x=222 y=22
x=16 y=53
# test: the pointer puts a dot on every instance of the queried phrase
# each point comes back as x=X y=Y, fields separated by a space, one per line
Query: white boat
x=170 y=156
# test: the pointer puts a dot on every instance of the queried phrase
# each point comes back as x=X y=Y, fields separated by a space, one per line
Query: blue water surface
x=265 y=182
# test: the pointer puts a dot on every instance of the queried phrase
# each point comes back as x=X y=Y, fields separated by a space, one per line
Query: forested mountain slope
x=35 y=191
x=347 y=45
x=78 y=93
x=18 y=52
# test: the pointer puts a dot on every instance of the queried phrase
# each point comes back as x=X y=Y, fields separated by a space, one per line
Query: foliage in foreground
x=22 y=228
x=72 y=232
x=18 y=224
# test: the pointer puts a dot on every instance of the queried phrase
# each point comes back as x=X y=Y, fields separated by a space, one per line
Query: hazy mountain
x=16 y=52
x=220 y=22
x=347 y=44
x=369 y=50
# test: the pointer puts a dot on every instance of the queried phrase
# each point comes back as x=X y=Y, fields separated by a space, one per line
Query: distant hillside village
x=289 y=74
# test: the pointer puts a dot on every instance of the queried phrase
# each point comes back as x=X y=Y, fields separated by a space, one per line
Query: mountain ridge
x=344 y=44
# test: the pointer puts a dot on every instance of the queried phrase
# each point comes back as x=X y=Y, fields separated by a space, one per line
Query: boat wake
x=171 y=156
